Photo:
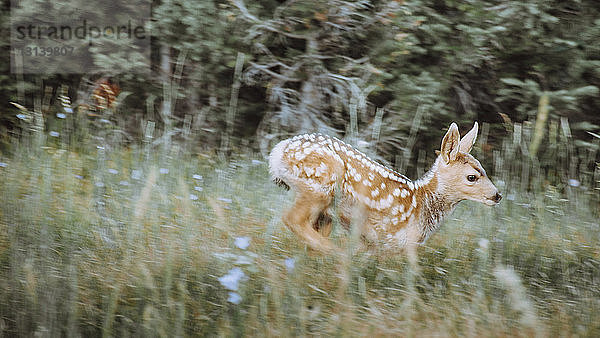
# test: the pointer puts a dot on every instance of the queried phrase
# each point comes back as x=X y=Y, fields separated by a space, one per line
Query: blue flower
x=198 y=188
x=193 y=197
x=54 y=134
x=197 y=177
x=68 y=109
x=242 y=242
x=234 y=298
x=232 y=279
x=61 y=115
x=22 y=116
x=113 y=171
x=3 y=165
x=290 y=263
x=483 y=243
x=136 y=174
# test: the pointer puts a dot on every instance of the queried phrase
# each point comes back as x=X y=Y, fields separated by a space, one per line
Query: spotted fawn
x=395 y=211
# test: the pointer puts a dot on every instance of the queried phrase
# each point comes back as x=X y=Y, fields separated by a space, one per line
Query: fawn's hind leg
x=303 y=218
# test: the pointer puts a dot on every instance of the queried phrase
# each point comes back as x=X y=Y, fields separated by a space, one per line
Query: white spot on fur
x=309 y=171
x=375 y=205
x=385 y=203
x=389 y=201
x=321 y=169
x=396 y=192
x=375 y=192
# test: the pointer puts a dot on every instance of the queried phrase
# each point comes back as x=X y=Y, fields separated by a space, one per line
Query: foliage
x=308 y=65
x=425 y=62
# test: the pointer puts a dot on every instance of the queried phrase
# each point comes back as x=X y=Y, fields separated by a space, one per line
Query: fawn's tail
x=277 y=168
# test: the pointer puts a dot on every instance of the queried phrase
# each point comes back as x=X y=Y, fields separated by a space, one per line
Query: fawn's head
x=459 y=174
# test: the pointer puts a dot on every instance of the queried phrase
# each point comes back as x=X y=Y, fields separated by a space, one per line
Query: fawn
x=395 y=210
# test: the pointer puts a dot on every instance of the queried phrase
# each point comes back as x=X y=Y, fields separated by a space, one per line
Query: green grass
x=82 y=254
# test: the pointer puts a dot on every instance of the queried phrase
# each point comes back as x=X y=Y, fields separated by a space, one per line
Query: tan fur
x=396 y=211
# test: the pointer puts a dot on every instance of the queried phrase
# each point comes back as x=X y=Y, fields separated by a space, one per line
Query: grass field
x=131 y=242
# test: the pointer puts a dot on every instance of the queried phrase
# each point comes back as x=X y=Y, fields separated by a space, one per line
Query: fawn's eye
x=471 y=178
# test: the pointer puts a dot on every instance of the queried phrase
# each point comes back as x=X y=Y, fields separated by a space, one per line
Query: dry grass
x=82 y=253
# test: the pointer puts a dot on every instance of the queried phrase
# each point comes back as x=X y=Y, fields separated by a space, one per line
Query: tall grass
x=128 y=241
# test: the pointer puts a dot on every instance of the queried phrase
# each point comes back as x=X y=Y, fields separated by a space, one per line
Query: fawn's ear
x=450 y=144
x=467 y=142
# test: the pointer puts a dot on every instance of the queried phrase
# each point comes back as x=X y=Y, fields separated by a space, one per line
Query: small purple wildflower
x=242 y=242
x=136 y=174
x=234 y=298
x=290 y=263
x=232 y=279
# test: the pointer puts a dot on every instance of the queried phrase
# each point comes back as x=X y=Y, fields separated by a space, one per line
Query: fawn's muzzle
x=497 y=197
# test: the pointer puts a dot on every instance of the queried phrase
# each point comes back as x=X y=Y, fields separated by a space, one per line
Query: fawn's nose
x=497 y=197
